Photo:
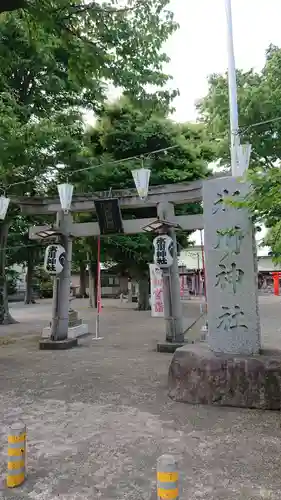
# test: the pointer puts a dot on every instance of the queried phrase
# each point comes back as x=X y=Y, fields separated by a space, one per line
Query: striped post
x=16 y=455
x=167 y=478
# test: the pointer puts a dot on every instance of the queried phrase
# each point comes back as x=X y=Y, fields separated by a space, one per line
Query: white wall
x=192 y=258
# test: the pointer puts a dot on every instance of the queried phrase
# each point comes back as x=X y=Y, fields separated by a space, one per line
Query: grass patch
x=6 y=341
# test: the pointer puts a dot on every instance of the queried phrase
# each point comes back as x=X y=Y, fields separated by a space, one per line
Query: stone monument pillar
x=230 y=368
x=231 y=271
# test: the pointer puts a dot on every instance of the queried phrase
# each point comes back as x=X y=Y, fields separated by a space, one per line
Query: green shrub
x=44 y=283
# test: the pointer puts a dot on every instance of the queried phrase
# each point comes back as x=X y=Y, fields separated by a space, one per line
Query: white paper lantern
x=65 y=194
x=54 y=259
x=141 y=178
x=4 y=205
x=163 y=251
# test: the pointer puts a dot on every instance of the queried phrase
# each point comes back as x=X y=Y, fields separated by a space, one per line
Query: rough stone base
x=169 y=347
x=199 y=376
x=57 y=345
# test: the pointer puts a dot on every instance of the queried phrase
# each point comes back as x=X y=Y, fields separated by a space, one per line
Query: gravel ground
x=98 y=416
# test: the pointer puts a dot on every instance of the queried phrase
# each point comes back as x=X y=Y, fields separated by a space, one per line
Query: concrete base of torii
x=199 y=376
x=76 y=328
x=73 y=332
x=57 y=345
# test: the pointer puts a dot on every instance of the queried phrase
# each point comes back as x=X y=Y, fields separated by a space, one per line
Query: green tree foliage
x=259 y=97
x=77 y=48
x=123 y=132
x=264 y=203
x=58 y=58
x=258 y=101
x=126 y=131
x=29 y=150
x=29 y=253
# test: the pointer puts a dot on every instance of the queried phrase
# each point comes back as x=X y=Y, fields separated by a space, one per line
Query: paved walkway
x=98 y=416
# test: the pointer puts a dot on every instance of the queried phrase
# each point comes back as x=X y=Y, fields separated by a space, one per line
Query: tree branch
x=79 y=9
x=74 y=33
x=12 y=5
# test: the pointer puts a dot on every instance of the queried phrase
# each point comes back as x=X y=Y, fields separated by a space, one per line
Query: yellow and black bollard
x=16 y=455
x=167 y=478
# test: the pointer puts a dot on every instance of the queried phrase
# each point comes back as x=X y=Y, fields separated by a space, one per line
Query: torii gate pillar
x=171 y=290
x=65 y=326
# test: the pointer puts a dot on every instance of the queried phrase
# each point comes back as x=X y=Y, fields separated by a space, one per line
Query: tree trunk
x=82 y=274
x=5 y=317
x=29 y=299
x=92 y=284
x=143 y=302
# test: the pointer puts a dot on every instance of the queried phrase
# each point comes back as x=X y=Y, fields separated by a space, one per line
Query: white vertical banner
x=156 y=291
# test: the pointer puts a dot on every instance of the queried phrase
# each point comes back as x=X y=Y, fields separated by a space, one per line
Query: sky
x=198 y=48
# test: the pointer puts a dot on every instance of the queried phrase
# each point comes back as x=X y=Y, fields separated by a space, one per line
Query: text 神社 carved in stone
x=231 y=317
x=229 y=276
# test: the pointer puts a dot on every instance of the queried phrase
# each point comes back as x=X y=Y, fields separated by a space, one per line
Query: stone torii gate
x=160 y=202
x=230 y=368
x=227 y=230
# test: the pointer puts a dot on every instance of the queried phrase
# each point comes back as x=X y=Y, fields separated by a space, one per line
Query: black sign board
x=161 y=251
x=109 y=216
x=52 y=259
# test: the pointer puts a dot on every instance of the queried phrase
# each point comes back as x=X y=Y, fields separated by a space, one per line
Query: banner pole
x=99 y=307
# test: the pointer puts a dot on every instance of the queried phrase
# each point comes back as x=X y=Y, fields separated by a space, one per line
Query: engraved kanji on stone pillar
x=231 y=270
